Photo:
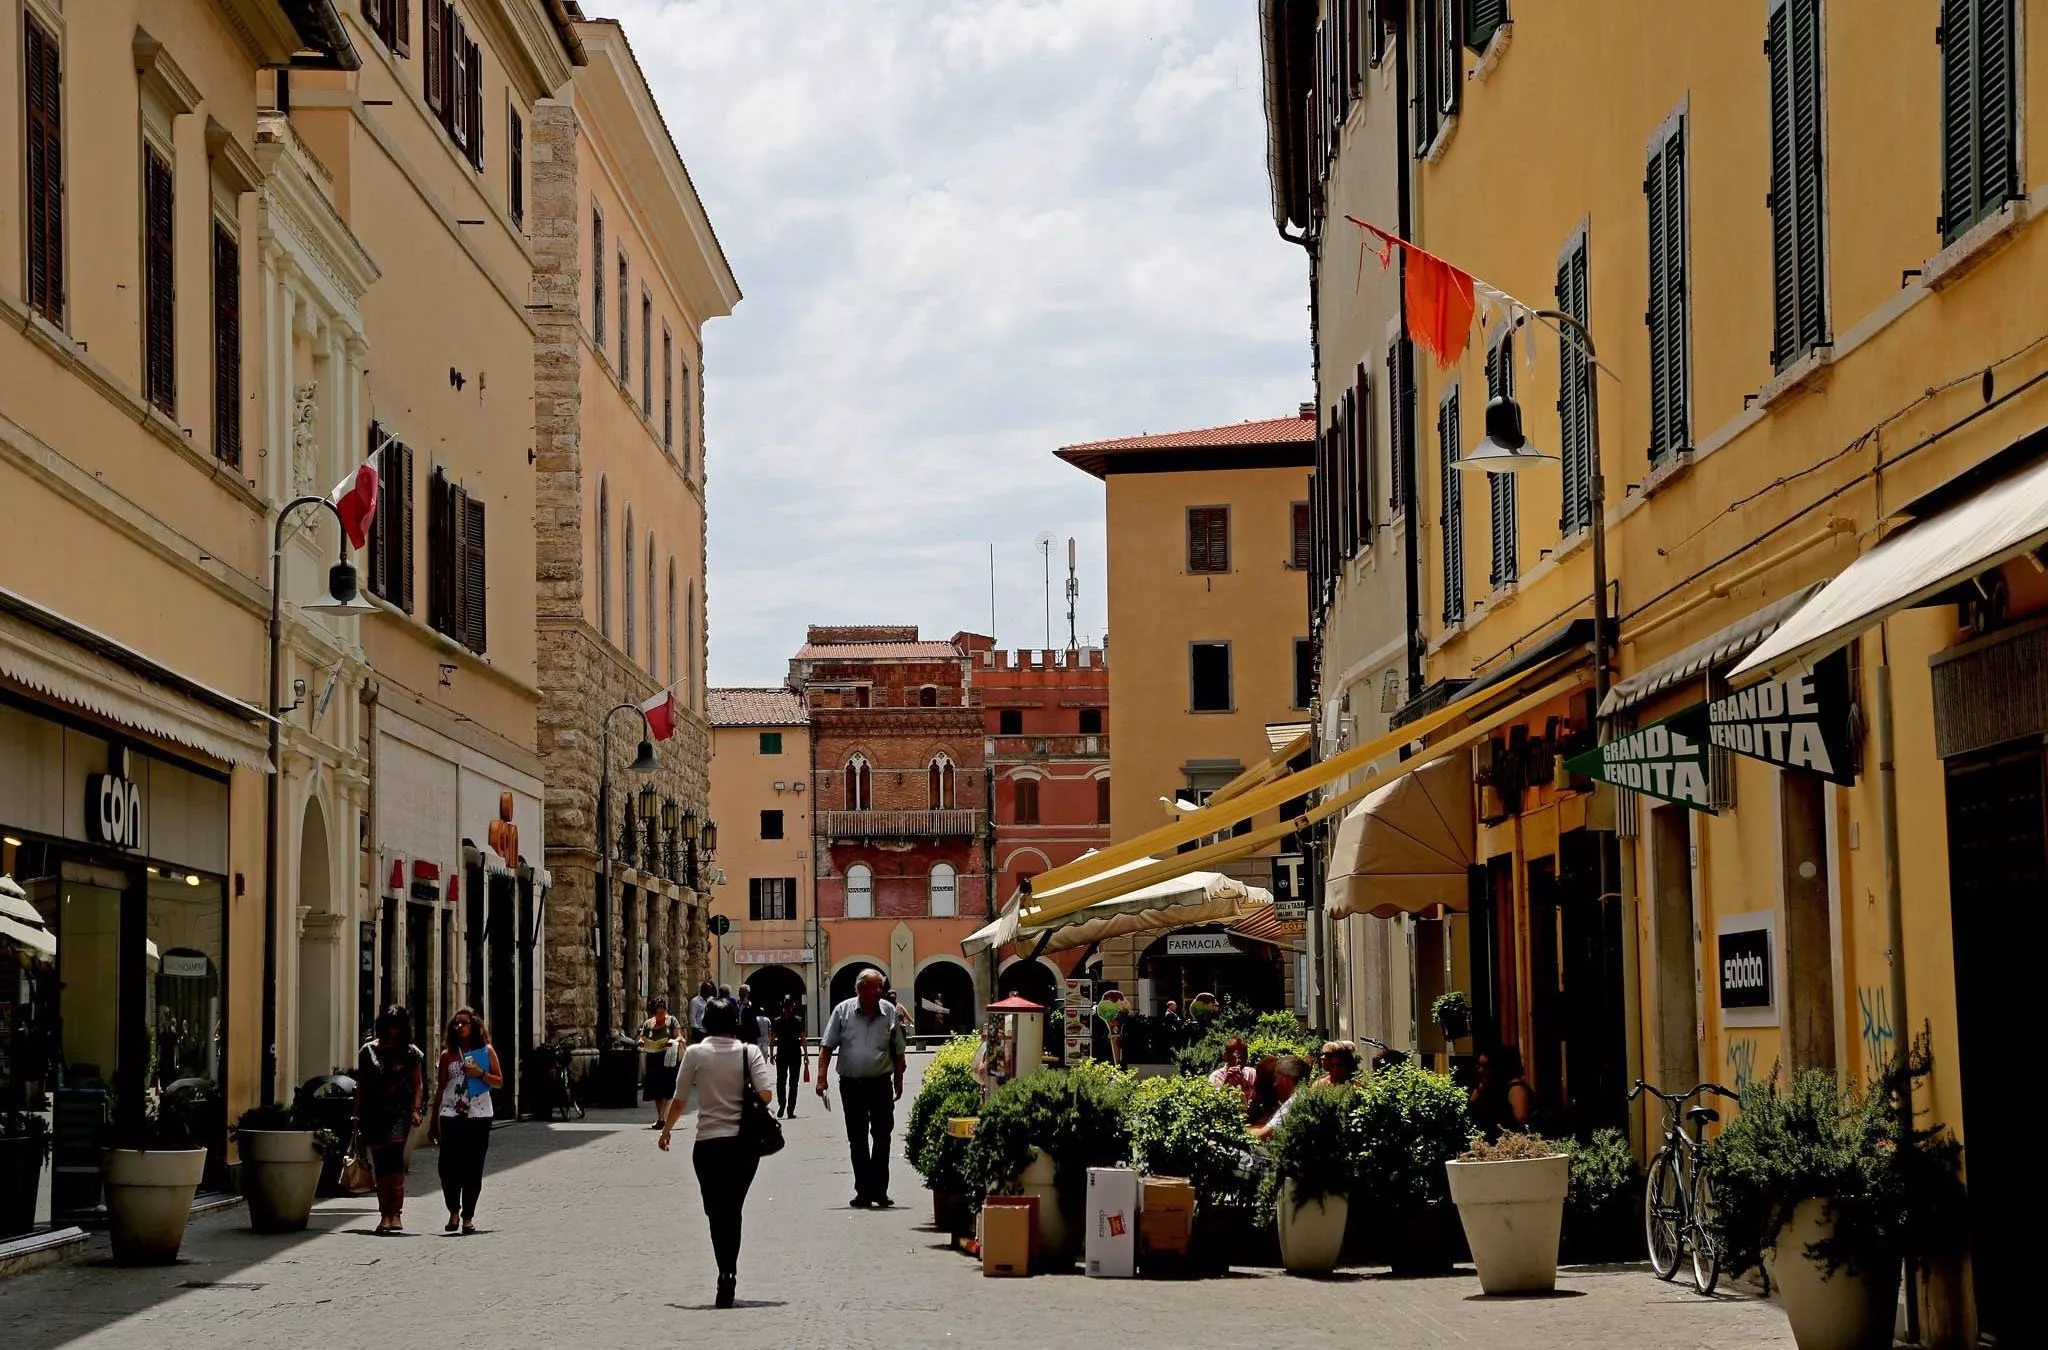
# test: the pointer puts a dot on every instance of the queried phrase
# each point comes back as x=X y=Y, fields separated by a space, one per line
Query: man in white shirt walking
x=866 y=1032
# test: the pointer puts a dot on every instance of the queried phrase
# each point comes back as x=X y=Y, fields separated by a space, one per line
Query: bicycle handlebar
x=1680 y=1099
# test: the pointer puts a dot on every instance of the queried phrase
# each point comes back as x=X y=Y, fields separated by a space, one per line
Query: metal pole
x=1894 y=917
x=604 y=889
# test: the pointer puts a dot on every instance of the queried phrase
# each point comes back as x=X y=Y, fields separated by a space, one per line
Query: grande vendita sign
x=1799 y=720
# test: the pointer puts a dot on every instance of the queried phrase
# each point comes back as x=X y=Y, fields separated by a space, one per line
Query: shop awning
x=1406 y=847
x=2006 y=520
x=1716 y=649
x=37 y=939
x=1262 y=923
x=1189 y=898
x=1084 y=881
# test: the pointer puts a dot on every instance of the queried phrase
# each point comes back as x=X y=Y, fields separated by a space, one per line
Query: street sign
x=1290 y=911
x=719 y=925
x=1287 y=877
x=1667 y=759
x=1798 y=721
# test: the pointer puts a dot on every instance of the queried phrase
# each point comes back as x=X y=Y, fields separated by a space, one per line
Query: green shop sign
x=1667 y=759
x=1798 y=721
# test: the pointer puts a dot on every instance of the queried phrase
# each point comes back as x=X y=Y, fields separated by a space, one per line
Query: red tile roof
x=756 y=708
x=878 y=651
x=1094 y=456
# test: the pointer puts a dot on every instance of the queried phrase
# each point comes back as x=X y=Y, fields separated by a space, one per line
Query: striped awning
x=1737 y=640
x=1264 y=924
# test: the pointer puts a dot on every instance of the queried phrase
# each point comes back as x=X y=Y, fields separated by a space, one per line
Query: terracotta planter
x=1848 y=1310
x=1312 y=1235
x=21 y=1177
x=1512 y=1212
x=149 y=1198
x=281 y=1171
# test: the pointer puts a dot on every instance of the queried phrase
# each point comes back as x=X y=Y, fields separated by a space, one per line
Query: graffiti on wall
x=1873 y=1003
x=1741 y=1060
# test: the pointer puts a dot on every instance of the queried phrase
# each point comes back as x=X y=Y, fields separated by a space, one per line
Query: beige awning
x=1406 y=847
x=1190 y=898
x=37 y=939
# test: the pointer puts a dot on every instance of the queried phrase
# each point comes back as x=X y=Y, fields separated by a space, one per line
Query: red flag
x=1439 y=296
x=355 y=499
x=661 y=714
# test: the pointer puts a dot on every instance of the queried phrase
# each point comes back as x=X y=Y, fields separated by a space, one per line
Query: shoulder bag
x=358 y=1172
x=761 y=1130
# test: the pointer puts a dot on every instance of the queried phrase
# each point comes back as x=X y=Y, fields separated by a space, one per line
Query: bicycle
x=1678 y=1199
x=559 y=1091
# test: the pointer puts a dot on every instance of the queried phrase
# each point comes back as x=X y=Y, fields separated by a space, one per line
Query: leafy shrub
x=1185 y=1127
x=26 y=1125
x=1273 y=1033
x=1407 y=1123
x=1512 y=1146
x=1604 y=1175
x=278 y=1116
x=1076 y=1116
x=949 y=1089
x=1893 y=1186
x=1315 y=1145
x=1452 y=1014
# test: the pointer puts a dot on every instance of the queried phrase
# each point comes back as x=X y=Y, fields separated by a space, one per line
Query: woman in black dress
x=389 y=1085
x=661 y=1040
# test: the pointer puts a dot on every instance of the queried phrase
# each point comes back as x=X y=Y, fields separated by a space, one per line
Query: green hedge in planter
x=949 y=1089
x=1273 y=1033
x=1185 y=1127
x=1076 y=1116
x=1316 y=1145
x=278 y=1116
x=1603 y=1211
x=1407 y=1123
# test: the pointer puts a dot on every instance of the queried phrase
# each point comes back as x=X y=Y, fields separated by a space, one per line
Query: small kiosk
x=1018 y=1046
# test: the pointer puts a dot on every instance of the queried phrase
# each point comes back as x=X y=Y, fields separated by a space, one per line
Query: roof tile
x=756 y=708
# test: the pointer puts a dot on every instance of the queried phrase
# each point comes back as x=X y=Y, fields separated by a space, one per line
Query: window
x=941 y=773
x=453 y=77
x=859 y=783
x=1575 y=396
x=1027 y=801
x=1979 y=112
x=689 y=411
x=646 y=354
x=1358 y=468
x=1299 y=529
x=627 y=593
x=1208 y=539
x=945 y=886
x=1438 y=69
x=597 y=275
x=771 y=824
x=1209 y=676
x=650 y=604
x=515 y=148
x=604 y=558
x=42 y=75
x=771 y=742
x=1401 y=423
x=1010 y=722
x=159 y=284
x=1091 y=721
x=671 y=623
x=771 y=898
x=1102 y=801
x=1482 y=18
x=1500 y=487
x=1798 y=265
x=928 y=697
x=668 y=389
x=390 y=543
x=625 y=321
x=1451 y=524
x=1670 y=328
x=227 y=346
x=1304 y=673
x=391 y=21
x=860 y=891
x=455 y=562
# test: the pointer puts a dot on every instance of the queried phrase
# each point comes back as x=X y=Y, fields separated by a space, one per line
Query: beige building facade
x=762 y=798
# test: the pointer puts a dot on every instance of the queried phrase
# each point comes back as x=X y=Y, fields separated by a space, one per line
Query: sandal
x=452 y=1224
x=468 y=1230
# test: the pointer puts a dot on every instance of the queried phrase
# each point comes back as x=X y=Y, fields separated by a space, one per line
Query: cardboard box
x=1166 y=1216
x=1112 y=1247
x=1009 y=1234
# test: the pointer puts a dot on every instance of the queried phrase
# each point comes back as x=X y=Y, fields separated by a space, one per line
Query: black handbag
x=761 y=1130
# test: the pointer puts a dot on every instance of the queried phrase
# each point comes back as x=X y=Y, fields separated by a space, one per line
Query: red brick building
x=1046 y=714
x=899 y=816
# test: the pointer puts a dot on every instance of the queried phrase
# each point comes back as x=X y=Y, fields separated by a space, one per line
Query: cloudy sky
x=968 y=233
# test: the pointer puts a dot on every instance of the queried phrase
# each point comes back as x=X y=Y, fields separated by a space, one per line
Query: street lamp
x=643 y=763
x=341 y=598
x=671 y=821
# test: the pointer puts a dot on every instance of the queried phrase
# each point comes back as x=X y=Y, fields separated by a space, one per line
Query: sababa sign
x=1798 y=721
x=1667 y=760
x=1745 y=960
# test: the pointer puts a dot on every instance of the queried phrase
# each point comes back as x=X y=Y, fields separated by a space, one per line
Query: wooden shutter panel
x=1806 y=160
x=434 y=53
x=440 y=556
x=456 y=92
x=1450 y=56
x=1573 y=373
x=377 y=563
x=404 y=521
x=1784 y=199
x=1482 y=18
x=1452 y=527
x=160 y=365
x=44 y=119
x=401 y=26
x=1673 y=330
x=473 y=577
x=1500 y=493
x=1997 y=109
x=1299 y=532
x=227 y=347
x=458 y=562
x=1400 y=426
x=473 y=62
x=1654 y=318
x=1361 y=444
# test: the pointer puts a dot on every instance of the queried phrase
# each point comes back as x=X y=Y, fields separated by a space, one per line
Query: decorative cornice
x=231 y=163
x=161 y=76
x=266 y=31
x=314 y=231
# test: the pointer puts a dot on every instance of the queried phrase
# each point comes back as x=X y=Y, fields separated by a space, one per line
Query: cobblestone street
x=593 y=1238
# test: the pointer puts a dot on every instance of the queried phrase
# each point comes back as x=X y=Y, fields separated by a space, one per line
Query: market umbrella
x=1190 y=898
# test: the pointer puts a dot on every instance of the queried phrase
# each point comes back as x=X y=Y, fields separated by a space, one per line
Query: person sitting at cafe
x=1340 y=1064
x=1288 y=1073
x=1236 y=1072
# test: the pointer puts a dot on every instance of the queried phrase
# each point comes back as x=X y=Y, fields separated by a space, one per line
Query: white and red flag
x=355 y=500
x=661 y=714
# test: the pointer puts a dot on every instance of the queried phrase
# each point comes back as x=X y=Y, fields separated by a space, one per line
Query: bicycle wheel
x=1663 y=1216
x=1706 y=1251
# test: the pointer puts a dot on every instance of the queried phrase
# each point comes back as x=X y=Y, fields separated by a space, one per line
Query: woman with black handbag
x=734 y=1129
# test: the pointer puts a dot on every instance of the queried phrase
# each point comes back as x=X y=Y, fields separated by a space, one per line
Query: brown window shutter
x=1198 y=542
x=434 y=53
x=473 y=630
x=45 y=172
x=227 y=347
x=160 y=365
x=1301 y=533
x=401 y=26
x=440 y=556
x=1219 y=538
x=476 y=106
x=515 y=151
x=403 y=521
x=378 y=548
x=458 y=557
x=456 y=114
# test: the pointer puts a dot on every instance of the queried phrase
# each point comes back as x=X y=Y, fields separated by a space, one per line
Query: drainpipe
x=1400 y=405
x=1894 y=909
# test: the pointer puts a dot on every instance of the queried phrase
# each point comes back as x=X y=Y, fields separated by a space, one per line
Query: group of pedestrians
x=391 y=1098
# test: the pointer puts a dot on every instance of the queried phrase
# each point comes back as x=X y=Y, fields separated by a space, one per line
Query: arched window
x=1027 y=801
x=945 y=891
x=627 y=626
x=652 y=649
x=858 y=783
x=672 y=624
x=943 y=798
x=604 y=558
x=928 y=697
x=860 y=892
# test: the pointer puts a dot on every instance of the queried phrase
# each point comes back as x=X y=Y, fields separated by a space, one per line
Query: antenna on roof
x=1073 y=596
x=1045 y=542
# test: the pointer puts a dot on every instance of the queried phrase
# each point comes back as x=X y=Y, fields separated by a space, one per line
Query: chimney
x=1308 y=412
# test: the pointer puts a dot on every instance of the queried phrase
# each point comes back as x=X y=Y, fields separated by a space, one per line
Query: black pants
x=464 y=1142
x=789 y=1077
x=725 y=1171
x=870 y=1116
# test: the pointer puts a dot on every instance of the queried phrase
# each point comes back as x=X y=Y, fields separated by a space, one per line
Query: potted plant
x=150 y=1186
x=1314 y=1158
x=949 y=1090
x=281 y=1161
x=1190 y=1128
x=1407 y=1122
x=1829 y=1187
x=1452 y=1015
x=1039 y=1136
x=1510 y=1199
x=24 y=1144
x=1603 y=1211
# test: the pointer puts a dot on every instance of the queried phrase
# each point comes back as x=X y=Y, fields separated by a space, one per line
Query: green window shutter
x=1807 y=171
x=1958 y=116
x=1500 y=491
x=1997 y=108
x=1664 y=188
x=1361 y=449
x=1452 y=525
x=1784 y=200
x=1576 y=452
x=1482 y=18
x=1979 y=170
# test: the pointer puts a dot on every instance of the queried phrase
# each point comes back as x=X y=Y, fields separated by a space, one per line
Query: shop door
x=419 y=972
x=1577 y=1010
x=501 y=938
x=1998 y=872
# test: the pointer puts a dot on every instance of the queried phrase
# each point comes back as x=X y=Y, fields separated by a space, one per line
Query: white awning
x=1716 y=649
x=1405 y=849
x=37 y=939
x=1192 y=897
x=1994 y=525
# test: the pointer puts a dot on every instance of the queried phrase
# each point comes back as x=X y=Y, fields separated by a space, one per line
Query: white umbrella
x=1191 y=898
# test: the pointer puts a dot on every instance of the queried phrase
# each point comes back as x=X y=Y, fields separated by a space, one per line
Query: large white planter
x=1512 y=1212
x=149 y=1198
x=1055 y=1235
x=1848 y=1310
x=280 y=1173
x=1312 y=1235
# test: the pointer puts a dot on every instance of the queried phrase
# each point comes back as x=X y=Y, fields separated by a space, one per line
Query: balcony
x=898 y=824
x=1048 y=746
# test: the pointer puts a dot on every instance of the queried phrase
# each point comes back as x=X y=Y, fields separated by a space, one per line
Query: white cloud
x=968 y=233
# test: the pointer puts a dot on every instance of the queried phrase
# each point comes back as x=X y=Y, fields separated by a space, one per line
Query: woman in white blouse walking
x=722 y=1069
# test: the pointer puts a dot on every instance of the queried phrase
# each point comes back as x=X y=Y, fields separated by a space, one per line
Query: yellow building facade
x=762 y=797
x=1802 y=239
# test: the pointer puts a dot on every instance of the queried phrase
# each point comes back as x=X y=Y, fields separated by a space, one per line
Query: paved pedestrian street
x=593 y=1238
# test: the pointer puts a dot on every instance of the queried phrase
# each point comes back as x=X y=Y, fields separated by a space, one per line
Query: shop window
x=771 y=824
x=1091 y=721
x=1809 y=980
x=390 y=546
x=860 y=891
x=1027 y=801
x=771 y=742
x=1671 y=942
x=1010 y=722
x=1209 y=676
x=945 y=891
x=43 y=118
x=1208 y=539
